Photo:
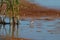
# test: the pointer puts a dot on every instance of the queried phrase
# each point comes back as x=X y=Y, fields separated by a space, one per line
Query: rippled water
x=39 y=29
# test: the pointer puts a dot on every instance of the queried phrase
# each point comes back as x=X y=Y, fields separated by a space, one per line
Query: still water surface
x=39 y=30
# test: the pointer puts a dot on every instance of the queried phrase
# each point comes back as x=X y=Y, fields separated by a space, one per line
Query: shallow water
x=38 y=30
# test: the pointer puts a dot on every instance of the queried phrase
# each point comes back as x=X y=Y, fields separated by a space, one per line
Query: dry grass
x=27 y=9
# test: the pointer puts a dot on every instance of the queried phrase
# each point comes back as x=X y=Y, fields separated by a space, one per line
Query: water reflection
x=43 y=30
x=4 y=21
x=38 y=29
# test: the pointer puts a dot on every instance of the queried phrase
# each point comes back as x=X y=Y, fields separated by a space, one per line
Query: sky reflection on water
x=42 y=30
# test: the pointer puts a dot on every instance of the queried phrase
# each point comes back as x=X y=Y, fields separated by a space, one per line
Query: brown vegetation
x=10 y=38
x=28 y=9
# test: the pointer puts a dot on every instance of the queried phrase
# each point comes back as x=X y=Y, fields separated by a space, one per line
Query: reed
x=9 y=8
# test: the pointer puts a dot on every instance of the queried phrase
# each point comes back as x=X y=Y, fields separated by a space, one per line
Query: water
x=40 y=30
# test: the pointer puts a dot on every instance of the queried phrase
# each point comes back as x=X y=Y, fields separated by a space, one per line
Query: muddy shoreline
x=10 y=38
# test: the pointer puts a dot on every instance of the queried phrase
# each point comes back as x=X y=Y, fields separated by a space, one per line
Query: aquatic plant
x=9 y=8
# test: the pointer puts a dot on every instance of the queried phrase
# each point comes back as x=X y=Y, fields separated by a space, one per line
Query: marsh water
x=37 y=29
